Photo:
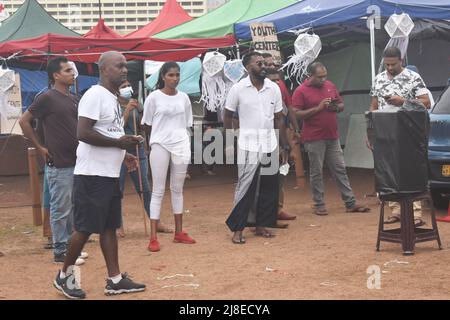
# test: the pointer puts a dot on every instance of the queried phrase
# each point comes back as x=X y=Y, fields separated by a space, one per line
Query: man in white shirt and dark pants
x=96 y=191
x=259 y=104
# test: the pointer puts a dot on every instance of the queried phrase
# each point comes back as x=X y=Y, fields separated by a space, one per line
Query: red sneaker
x=153 y=245
x=183 y=237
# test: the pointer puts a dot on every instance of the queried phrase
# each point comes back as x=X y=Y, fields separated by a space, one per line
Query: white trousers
x=160 y=159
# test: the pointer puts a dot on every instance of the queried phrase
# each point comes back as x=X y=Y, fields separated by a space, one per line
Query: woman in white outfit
x=167 y=117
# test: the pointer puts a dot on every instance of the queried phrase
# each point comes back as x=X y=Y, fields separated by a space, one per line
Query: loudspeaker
x=400 y=150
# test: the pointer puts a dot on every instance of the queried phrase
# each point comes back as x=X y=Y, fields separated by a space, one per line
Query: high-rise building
x=214 y=4
x=121 y=15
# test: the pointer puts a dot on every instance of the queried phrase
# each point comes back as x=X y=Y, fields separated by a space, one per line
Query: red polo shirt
x=285 y=93
x=322 y=125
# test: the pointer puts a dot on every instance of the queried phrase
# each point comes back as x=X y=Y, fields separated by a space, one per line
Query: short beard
x=259 y=76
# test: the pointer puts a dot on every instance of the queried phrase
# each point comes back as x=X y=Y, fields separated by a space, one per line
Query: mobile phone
x=334 y=101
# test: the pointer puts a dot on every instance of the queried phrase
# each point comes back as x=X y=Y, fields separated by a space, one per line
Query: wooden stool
x=408 y=235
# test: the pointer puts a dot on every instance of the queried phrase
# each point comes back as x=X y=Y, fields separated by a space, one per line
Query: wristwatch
x=285 y=148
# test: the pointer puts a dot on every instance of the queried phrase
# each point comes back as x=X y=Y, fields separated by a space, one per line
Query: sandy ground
x=315 y=258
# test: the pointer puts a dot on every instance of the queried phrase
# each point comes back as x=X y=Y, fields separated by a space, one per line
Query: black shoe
x=126 y=285
x=69 y=287
x=61 y=257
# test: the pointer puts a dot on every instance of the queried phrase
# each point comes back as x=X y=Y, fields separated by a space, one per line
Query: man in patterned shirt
x=396 y=84
x=392 y=88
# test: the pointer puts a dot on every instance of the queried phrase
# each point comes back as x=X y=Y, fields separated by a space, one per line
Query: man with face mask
x=131 y=111
x=258 y=102
x=317 y=102
x=132 y=115
x=392 y=88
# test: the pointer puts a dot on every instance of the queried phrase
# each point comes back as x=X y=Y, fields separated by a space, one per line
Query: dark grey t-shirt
x=58 y=114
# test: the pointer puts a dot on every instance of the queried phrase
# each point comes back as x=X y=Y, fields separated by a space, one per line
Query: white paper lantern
x=7 y=79
x=307 y=48
x=213 y=63
x=399 y=25
x=234 y=70
x=308 y=45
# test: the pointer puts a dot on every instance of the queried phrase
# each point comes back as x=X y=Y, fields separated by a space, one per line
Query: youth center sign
x=265 y=39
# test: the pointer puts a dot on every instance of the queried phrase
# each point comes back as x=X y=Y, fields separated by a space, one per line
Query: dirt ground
x=315 y=258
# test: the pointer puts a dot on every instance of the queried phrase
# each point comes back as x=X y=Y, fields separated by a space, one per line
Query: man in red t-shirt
x=316 y=102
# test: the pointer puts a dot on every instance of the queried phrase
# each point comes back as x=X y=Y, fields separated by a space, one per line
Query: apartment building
x=121 y=15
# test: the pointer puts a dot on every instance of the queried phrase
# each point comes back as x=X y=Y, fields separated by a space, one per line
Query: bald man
x=96 y=191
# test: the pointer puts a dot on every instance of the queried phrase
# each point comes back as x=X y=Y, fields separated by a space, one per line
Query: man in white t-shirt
x=259 y=104
x=96 y=191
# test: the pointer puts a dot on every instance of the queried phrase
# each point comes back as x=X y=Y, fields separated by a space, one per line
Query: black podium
x=400 y=143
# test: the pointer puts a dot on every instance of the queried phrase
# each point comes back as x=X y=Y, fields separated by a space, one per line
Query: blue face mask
x=126 y=92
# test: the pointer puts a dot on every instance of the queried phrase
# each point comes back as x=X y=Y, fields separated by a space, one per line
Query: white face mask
x=126 y=92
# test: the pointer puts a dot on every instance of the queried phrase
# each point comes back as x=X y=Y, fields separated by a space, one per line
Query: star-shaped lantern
x=399 y=25
x=308 y=45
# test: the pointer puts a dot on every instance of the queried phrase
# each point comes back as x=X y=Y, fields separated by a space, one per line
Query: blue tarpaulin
x=32 y=82
x=189 y=77
x=315 y=13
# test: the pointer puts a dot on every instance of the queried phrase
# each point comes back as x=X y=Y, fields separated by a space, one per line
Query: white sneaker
x=79 y=262
x=84 y=255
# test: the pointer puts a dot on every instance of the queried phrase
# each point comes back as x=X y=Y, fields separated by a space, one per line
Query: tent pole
x=372 y=47
x=238 y=54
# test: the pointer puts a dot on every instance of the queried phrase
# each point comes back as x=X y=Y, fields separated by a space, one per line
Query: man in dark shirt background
x=57 y=110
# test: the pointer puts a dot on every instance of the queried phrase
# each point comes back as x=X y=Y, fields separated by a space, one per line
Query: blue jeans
x=135 y=177
x=45 y=191
x=60 y=184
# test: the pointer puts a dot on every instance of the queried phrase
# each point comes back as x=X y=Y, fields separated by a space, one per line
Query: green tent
x=31 y=20
x=220 y=22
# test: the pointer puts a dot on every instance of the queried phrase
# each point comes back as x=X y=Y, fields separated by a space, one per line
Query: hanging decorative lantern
x=213 y=63
x=234 y=70
x=7 y=79
x=308 y=45
x=399 y=25
x=307 y=48
x=213 y=84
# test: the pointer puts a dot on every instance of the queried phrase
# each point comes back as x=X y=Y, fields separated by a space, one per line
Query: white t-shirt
x=256 y=114
x=169 y=117
x=99 y=104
